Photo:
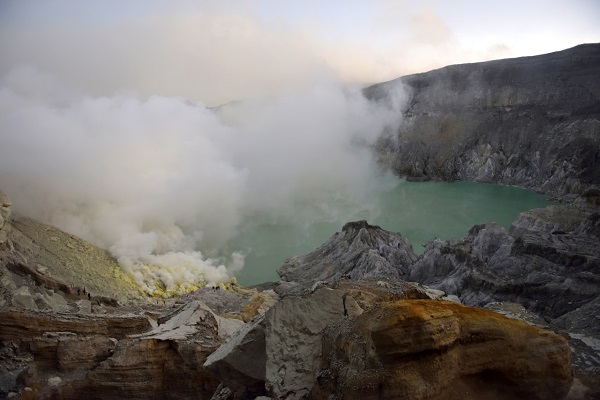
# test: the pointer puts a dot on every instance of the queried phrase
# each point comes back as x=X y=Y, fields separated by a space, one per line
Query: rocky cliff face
x=532 y=122
x=423 y=349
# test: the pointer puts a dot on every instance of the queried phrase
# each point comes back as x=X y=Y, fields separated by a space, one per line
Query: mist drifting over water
x=164 y=184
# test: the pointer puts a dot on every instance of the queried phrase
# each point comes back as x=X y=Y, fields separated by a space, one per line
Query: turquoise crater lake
x=419 y=211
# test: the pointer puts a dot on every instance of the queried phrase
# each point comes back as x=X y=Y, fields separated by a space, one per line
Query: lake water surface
x=419 y=211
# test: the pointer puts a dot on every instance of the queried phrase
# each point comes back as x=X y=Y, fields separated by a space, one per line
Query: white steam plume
x=164 y=183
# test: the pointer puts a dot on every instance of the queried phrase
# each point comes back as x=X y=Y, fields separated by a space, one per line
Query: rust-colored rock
x=420 y=349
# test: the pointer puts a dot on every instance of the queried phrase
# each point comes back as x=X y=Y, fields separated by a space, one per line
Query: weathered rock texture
x=278 y=352
x=65 y=356
x=359 y=251
x=293 y=337
x=423 y=349
x=532 y=122
x=21 y=325
x=358 y=339
x=549 y=261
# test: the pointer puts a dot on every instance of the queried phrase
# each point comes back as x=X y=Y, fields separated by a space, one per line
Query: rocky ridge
x=532 y=122
x=359 y=251
x=549 y=261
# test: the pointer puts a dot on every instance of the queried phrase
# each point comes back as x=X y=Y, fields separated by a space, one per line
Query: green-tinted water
x=419 y=211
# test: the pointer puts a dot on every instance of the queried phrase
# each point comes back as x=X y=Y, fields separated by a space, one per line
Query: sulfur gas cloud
x=164 y=183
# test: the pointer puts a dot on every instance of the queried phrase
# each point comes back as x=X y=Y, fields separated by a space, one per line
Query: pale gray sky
x=215 y=52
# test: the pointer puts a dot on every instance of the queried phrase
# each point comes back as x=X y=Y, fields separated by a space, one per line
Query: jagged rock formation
x=421 y=349
x=549 y=261
x=359 y=251
x=356 y=339
x=532 y=122
x=279 y=352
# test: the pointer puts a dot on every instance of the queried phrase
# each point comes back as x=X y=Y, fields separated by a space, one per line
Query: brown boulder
x=421 y=349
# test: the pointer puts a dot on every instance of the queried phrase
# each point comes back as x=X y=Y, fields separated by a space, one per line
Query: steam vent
x=134 y=219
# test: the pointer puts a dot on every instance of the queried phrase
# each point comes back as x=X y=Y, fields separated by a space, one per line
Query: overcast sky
x=218 y=51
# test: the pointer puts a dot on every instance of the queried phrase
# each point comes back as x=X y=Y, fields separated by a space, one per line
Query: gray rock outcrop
x=532 y=122
x=240 y=362
x=549 y=261
x=277 y=353
x=293 y=333
x=359 y=251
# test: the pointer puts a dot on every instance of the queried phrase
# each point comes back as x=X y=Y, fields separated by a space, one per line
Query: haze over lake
x=419 y=211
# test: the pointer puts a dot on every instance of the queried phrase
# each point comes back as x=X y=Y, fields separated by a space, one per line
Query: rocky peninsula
x=498 y=314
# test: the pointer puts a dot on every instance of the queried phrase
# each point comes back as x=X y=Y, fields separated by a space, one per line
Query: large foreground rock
x=422 y=349
x=360 y=339
x=240 y=363
x=293 y=337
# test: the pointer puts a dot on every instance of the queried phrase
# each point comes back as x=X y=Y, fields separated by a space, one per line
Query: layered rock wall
x=423 y=349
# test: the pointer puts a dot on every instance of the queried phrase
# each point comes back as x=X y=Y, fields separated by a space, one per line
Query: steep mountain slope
x=532 y=122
